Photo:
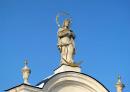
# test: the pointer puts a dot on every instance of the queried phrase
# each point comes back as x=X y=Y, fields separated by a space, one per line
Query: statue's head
x=66 y=23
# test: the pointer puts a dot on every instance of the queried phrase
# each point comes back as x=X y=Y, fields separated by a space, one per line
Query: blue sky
x=28 y=30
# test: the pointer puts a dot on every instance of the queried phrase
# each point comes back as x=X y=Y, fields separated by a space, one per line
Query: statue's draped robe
x=66 y=45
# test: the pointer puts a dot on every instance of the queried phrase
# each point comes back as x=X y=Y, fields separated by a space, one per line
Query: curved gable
x=73 y=81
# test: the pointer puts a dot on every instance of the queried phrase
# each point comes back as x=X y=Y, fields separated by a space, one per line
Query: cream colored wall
x=73 y=82
x=24 y=88
x=71 y=88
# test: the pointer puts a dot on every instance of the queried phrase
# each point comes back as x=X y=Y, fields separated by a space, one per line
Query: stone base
x=64 y=68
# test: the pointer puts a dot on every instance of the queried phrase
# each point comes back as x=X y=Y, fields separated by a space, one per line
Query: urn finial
x=119 y=84
x=26 y=72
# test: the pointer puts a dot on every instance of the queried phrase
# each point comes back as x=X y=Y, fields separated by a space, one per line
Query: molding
x=74 y=77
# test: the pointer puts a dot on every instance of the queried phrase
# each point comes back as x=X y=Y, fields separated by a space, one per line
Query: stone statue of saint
x=66 y=42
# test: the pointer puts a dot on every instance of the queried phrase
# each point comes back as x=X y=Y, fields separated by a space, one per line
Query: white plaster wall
x=70 y=88
x=73 y=82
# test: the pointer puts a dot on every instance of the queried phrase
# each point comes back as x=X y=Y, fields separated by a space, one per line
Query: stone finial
x=119 y=84
x=26 y=72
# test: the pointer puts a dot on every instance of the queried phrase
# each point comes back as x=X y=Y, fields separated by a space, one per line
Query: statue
x=66 y=43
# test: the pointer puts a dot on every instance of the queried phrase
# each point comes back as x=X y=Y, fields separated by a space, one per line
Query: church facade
x=68 y=76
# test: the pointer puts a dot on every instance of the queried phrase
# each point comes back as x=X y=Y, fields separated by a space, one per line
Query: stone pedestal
x=64 y=68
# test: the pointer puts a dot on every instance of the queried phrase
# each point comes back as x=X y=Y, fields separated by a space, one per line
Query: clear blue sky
x=28 y=30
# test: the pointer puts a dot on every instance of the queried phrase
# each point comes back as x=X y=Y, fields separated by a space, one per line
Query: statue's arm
x=62 y=33
x=72 y=34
